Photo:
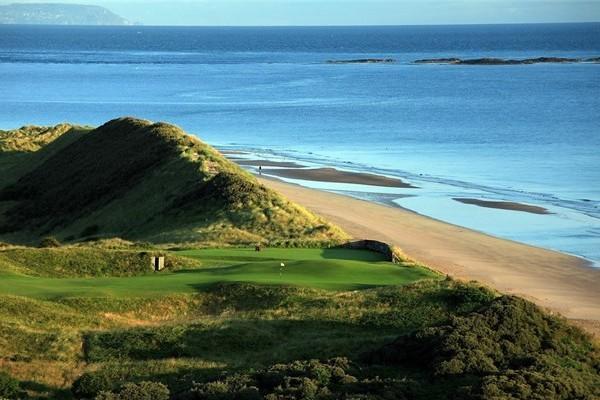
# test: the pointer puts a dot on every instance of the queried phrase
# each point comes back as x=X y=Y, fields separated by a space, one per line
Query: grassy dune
x=145 y=181
x=25 y=149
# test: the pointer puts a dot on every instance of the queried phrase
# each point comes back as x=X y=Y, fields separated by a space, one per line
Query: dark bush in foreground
x=140 y=391
x=508 y=350
x=333 y=379
x=91 y=384
x=9 y=387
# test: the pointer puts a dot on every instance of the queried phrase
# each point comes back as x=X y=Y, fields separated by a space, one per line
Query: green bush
x=306 y=380
x=140 y=391
x=297 y=380
x=9 y=386
x=92 y=383
x=509 y=349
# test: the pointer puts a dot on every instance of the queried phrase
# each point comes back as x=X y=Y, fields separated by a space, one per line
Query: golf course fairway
x=332 y=269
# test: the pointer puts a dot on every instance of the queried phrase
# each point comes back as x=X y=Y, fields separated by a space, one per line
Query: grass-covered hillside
x=24 y=149
x=234 y=324
x=31 y=138
x=140 y=180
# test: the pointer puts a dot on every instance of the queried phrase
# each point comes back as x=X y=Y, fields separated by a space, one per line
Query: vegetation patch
x=85 y=262
x=507 y=349
x=9 y=386
x=95 y=322
x=31 y=138
x=141 y=391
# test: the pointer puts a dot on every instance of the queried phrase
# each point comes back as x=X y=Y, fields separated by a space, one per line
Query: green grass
x=332 y=269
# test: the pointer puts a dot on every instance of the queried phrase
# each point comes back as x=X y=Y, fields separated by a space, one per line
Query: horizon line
x=134 y=25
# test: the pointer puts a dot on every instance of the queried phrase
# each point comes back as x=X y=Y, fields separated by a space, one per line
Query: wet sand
x=225 y=152
x=337 y=176
x=504 y=205
x=267 y=163
x=559 y=282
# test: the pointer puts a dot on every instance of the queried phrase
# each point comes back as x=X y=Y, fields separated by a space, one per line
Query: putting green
x=333 y=269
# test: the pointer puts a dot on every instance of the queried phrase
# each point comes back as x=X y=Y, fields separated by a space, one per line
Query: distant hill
x=58 y=14
x=142 y=181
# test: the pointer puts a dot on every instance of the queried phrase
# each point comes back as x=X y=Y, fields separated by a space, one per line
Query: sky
x=346 y=12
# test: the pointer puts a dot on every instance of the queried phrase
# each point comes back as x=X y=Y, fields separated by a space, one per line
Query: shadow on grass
x=236 y=342
x=37 y=390
x=113 y=375
x=243 y=296
x=339 y=253
x=217 y=270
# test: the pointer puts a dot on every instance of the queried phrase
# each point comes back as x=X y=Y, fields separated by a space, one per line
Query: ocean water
x=527 y=133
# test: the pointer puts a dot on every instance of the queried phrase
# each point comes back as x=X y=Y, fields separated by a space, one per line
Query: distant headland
x=58 y=14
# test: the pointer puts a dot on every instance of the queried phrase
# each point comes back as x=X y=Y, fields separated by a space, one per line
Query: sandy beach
x=562 y=283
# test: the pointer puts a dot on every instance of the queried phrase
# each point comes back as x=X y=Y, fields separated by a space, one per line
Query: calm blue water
x=521 y=133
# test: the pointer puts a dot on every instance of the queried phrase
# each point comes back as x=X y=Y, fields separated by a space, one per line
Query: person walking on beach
x=260 y=169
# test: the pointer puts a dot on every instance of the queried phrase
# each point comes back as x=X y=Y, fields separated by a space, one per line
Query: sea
x=520 y=133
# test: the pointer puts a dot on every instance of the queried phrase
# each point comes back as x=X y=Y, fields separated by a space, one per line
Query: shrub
x=49 y=241
x=296 y=380
x=509 y=349
x=140 y=391
x=9 y=386
x=92 y=383
x=306 y=380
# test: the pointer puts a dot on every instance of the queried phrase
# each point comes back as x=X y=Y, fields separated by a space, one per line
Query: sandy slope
x=560 y=282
